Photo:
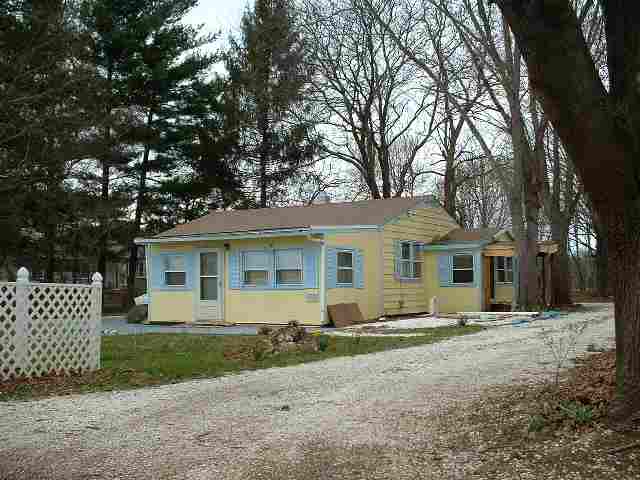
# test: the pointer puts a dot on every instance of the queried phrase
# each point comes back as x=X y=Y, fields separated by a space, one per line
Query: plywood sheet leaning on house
x=345 y=314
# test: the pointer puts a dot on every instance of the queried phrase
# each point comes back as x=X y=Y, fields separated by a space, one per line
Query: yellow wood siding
x=367 y=298
x=450 y=299
x=424 y=225
x=240 y=306
x=504 y=293
x=171 y=306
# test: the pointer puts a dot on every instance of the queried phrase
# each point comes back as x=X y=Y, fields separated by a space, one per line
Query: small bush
x=258 y=352
x=536 y=423
x=323 y=343
x=265 y=330
x=576 y=411
x=137 y=314
x=462 y=322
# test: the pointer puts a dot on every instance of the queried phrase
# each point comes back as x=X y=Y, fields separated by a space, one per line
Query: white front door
x=210 y=293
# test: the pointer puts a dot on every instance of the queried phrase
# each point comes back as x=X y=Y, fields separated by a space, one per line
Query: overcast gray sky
x=218 y=15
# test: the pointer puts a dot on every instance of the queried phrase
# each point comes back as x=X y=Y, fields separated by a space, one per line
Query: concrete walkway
x=119 y=324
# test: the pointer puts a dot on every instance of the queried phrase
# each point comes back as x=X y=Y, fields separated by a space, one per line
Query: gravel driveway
x=383 y=415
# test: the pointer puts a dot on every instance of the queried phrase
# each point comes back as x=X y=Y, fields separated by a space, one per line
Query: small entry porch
x=500 y=279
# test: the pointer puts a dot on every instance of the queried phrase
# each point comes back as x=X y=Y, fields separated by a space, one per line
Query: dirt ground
x=453 y=410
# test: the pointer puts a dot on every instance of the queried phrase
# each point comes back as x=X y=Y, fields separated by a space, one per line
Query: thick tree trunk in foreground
x=603 y=276
x=600 y=129
x=624 y=255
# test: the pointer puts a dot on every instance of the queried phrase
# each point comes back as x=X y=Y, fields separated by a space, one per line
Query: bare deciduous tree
x=372 y=94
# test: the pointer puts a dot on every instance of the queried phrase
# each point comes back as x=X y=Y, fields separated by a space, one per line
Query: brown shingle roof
x=368 y=212
x=473 y=235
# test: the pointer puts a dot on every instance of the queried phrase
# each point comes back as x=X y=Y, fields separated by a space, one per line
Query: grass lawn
x=133 y=361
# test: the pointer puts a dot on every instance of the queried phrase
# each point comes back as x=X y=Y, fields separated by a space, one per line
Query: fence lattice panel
x=9 y=357
x=49 y=328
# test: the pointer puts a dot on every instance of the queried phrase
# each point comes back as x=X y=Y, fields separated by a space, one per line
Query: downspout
x=323 y=276
x=147 y=261
x=323 y=281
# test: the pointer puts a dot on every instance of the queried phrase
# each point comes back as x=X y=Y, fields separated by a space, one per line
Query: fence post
x=22 y=319
x=96 y=291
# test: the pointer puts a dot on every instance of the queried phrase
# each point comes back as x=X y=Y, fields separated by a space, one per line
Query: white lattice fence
x=49 y=327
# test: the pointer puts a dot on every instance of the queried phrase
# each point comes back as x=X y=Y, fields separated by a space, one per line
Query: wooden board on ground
x=345 y=314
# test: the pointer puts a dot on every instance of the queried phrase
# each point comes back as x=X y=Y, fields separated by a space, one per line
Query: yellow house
x=275 y=265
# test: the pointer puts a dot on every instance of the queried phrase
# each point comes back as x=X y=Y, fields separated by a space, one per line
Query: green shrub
x=536 y=423
x=323 y=343
x=137 y=314
x=576 y=411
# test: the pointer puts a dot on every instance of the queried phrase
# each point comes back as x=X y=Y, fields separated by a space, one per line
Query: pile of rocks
x=290 y=338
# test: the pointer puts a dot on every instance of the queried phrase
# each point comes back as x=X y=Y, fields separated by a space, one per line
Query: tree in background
x=268 y=80
x=377 y=111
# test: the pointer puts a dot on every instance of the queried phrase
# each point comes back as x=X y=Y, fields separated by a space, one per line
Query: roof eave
x=280 y=232
x=455 y=245
x=200 y=237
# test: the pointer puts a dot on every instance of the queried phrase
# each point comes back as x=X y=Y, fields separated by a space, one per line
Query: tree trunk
x=603 y=284
x=264 y=159
x=137 y=222
x=450 y=187
x=625 y=244
x=103 y=242
x=560 y=291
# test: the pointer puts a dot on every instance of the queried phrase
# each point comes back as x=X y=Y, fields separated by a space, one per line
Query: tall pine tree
x=268 y=77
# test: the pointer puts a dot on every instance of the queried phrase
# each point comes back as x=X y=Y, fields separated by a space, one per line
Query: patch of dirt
x=562 y=444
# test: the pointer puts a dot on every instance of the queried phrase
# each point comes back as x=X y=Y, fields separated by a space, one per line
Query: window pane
x=289 y=259
x=509 y=262
x=509 y=276
x=209 y=264
x=175 y=278
x=500 y=263
x=208 y=288
x=345 y=276
x=345 y=259
x=463 y=276
x=174 y=263
x=256 y=260
x=288 y=277
x=463 y=261
x=256 y=277
x=417 y=268
x=501 y=277
x=406 y=251
x=405 y=269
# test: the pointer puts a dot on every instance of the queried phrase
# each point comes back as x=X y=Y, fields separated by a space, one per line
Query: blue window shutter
x=444 y=269
x=359 y=268
x=157 y=274
x=477 y=268
x=234 y=269
x=396 y=259
x=189 y=270
x=332 y=267
x=310 y=256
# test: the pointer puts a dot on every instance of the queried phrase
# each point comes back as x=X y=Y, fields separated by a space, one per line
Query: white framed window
x=174 y=270
x=288 y=267
x=255 y=268
x=462 y=266
x=410 y=262
x=345 y=268
x=504 y=269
